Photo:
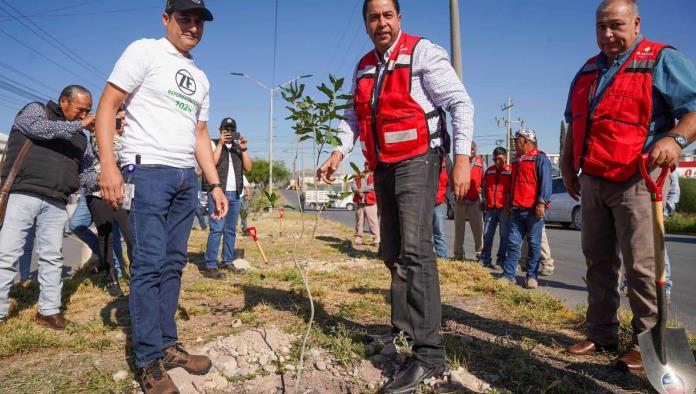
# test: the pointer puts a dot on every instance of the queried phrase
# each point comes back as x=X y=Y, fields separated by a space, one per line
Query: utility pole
x=272 y=91
x=507 y=107
x=455 y=37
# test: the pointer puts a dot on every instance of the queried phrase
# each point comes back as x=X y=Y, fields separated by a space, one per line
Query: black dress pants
x=104 y=216
x=406 y=199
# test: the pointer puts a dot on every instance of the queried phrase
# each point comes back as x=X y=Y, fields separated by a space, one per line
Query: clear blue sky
x=528 y=50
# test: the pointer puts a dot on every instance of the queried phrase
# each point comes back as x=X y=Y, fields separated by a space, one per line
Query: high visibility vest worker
x=497 y=181
x=393 y=126
x=608 y=140
x=370 y=197
x=525 y=184
x=474 y=192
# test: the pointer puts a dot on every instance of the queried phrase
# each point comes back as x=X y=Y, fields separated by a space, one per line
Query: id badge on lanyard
x=128 y=187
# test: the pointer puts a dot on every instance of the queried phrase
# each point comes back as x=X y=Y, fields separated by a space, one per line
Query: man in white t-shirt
x=167 y=103
x=232 y=160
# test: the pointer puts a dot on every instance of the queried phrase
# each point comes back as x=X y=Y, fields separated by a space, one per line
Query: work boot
x=177 y=356
x=630 y=361
x=588 y=348
x=114 y=289
x=531 y=283
x=546 y=272
x=213 y=273
x=56 y=322
x=155 y=380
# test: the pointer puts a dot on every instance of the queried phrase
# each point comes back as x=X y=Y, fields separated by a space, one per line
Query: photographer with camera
x=231 y=159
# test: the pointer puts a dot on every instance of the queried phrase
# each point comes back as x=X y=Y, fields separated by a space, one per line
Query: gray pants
x=470 y=211
x=616 y=222
x=50 y=216
x=406 y=199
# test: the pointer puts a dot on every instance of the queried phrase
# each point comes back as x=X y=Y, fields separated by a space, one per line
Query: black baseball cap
x=187 y=5
x=228 y=122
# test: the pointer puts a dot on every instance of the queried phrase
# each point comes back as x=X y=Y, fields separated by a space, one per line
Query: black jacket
x=51 y=167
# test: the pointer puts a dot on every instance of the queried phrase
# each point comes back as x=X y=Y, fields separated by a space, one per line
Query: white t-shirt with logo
x=231 y=185
x=167 y=97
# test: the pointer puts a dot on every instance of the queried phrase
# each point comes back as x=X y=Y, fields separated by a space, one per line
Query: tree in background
x=259 y=173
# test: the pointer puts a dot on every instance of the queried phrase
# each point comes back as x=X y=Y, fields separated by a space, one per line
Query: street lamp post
x=272 y=91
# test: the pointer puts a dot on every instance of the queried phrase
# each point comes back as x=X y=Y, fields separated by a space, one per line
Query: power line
x=49 y=14
x=80 y=77
x=28 y=77
x=52 y=41
x=25 y=88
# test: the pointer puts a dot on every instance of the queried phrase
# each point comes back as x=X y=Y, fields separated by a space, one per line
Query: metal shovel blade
x=676 y=374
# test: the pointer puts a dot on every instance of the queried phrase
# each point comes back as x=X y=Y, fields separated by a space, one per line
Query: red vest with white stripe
x=608 y=140
x=370 y=197
x=524 y=180
x=474 y=192
x=497 y=182
x=393 y=126
x=442 y=184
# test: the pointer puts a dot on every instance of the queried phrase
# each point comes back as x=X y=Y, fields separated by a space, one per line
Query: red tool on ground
x=252 y=232
x=666 y=354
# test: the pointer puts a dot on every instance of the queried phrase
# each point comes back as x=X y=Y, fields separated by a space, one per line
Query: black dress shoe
x=408 y=380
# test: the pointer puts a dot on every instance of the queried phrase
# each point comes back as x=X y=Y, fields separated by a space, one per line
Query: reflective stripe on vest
x=497 y=186
x=608 y=139
x=393 y=126
x=524 y=180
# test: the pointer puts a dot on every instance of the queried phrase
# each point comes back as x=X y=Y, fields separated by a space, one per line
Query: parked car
x=346 y=202
x=563 y=209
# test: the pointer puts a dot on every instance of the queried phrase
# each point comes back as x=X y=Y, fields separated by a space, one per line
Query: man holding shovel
x=623 y=102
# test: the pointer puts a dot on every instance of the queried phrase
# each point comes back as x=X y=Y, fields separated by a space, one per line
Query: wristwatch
x=679 y=139
x=214 y=185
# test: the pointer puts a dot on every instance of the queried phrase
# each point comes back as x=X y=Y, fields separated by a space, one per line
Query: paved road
x=567 y=282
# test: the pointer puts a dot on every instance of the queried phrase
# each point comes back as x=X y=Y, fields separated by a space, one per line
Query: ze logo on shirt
x=186 y=83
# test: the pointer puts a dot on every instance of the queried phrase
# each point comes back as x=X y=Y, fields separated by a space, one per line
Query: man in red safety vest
x=401 y=91
x=623 y=102
x=496 y=192
x=365 y=201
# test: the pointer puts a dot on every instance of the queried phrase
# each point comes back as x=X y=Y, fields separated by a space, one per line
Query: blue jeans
x=523 y=223
x=225 y=229
x=50 y=217
x=160 y=222
x=244 y=213
x=25 y=260
x=439 y=238
x=495 y=218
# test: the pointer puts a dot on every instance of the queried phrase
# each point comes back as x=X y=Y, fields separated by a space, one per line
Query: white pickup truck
x=317 y=198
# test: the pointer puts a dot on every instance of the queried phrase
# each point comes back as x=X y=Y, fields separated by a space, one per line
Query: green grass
x=681 y=223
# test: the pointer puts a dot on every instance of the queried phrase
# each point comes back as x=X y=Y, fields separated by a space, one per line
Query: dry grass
x=509 y=336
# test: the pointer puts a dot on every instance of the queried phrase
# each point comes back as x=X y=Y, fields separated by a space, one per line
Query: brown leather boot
x=630 y=361
x=155 y=380
x=587 y=348
x=177 y=356
x=56 y=322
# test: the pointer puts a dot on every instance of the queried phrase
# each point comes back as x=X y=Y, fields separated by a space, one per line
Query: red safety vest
x=442 y=185
x=608 y=140
x=474 y=192
x=524 y=180
x=497 y=182
x=395 y=128
x=370 y=197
